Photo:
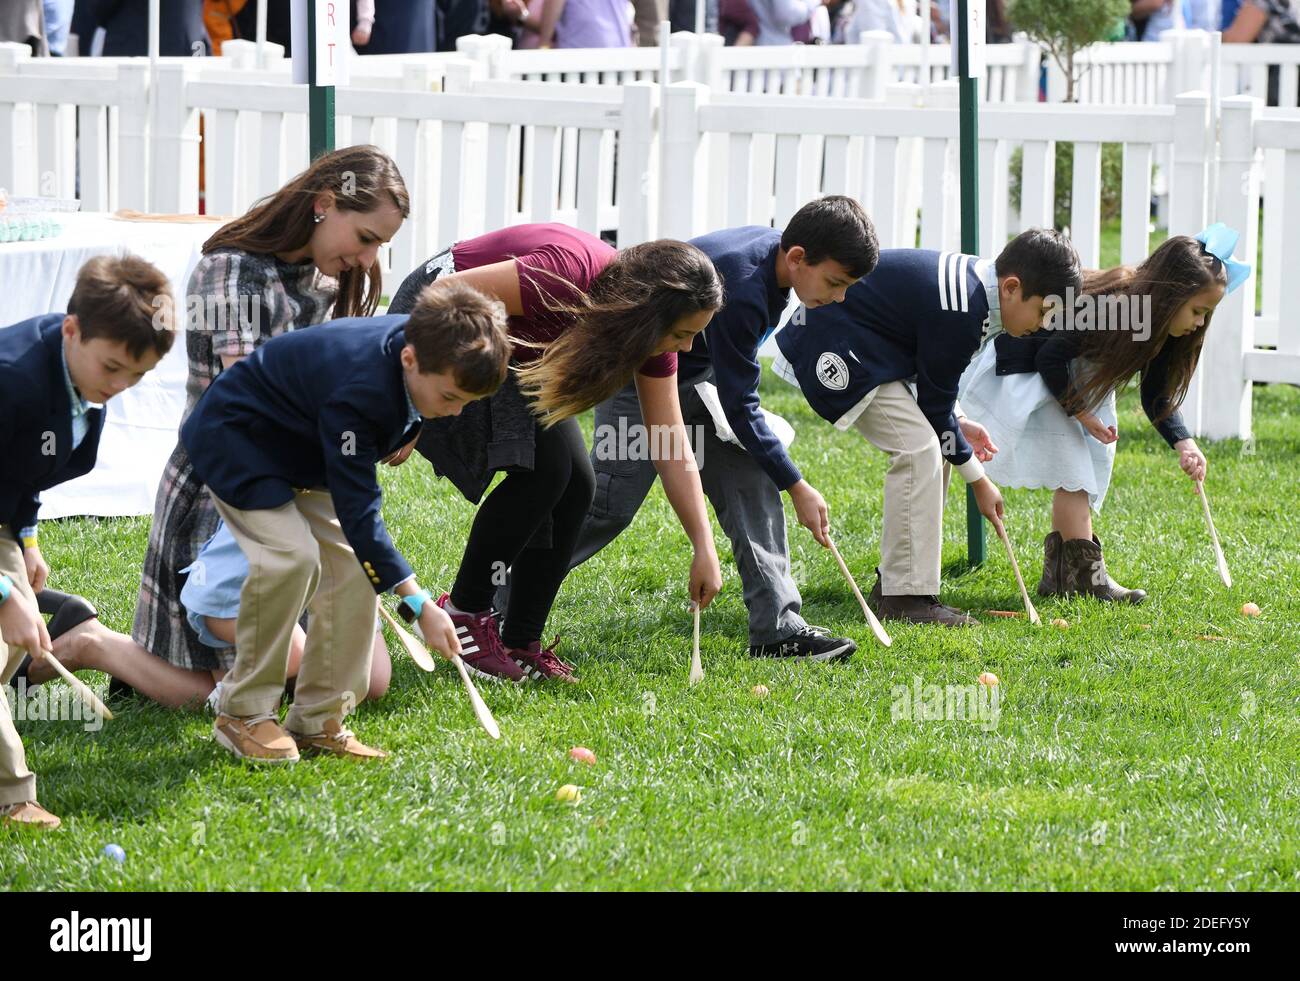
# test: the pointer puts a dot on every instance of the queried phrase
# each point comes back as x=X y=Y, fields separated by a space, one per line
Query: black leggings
x=561 y=485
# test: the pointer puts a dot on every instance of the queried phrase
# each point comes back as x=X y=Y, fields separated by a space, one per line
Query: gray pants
x=747 y=504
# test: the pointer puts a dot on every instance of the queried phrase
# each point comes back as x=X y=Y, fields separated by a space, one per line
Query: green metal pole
x=320 y=98
x=968 y=115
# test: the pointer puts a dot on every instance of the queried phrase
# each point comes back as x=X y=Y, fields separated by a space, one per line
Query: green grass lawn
x=1122 y=757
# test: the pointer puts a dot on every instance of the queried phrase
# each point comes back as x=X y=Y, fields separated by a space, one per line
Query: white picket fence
x=91 y=116
x=729 y=164
x=474 y=155
x=482 y=145
x=1220 y=404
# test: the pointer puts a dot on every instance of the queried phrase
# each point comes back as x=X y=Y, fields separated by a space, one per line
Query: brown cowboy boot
x=1084 y=572
x=1050 y=584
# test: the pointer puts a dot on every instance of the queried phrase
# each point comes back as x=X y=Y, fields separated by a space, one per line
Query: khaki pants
x=911 y=541
x=17 y=783
x=298 y=559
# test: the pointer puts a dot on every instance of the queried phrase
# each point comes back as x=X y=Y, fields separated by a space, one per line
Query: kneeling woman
x=585 y=319
x=1048 y=400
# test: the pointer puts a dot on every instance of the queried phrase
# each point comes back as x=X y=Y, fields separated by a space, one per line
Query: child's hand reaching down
x=1101 y=433
x=1191 y=459
x=979 y=440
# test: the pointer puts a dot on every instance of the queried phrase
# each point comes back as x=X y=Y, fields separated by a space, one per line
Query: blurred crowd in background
x=120 y=27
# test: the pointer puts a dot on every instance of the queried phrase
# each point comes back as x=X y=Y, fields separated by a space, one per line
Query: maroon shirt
x=552 y=260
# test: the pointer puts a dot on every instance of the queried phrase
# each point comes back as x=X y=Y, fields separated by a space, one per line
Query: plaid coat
x=235 y=302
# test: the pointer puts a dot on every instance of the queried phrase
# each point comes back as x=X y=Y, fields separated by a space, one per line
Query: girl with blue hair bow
x=1048 y=400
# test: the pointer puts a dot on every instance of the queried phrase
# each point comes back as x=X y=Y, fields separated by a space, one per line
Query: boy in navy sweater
x=56 y=373
x=887 y=362
x=287 y=441
x=826 y=246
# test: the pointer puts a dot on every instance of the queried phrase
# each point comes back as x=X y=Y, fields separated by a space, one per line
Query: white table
x=141 y=426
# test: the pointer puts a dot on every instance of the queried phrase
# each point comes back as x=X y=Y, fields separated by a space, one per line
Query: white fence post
x=689 y=46
x=895 y=164
x=1225 y=388
x=17 y=151
x=636 y=177
x=1189 y=204
x=1189 y=70
x=878 y=71
x=681 y=152
x=482 y=49
x=132 y=160
x=708 y=65
x=174 y=144
x=1056 y=80
x=415 y=160
x=1027 y=76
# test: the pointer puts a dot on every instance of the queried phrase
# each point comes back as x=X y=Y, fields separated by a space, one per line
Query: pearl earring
x=318 y=218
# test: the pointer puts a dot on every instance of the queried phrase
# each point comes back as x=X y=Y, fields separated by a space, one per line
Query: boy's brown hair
x=127 y=300
x=454 y=326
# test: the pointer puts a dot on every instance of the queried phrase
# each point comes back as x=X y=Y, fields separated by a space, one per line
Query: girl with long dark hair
x=585 y=320
x=1048 y=400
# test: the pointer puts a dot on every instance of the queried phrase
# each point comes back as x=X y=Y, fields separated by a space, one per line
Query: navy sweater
x=36 y=434
x=920 y=315
x=746 y=261
x=311 y=409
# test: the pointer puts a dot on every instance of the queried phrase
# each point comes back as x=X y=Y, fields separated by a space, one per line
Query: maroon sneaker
x=480 y=644
x=541 y=664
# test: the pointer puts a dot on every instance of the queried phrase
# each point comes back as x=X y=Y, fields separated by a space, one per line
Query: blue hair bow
x=1219 y=241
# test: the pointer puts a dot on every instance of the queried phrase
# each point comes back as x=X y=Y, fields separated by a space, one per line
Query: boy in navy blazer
x=887 y=361
x=56 y=373
x=287 y=441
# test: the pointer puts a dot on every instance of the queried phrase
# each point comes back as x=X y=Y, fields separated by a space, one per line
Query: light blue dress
x=1038 y=444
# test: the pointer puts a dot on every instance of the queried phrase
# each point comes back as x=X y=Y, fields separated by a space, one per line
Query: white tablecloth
x=140 y=430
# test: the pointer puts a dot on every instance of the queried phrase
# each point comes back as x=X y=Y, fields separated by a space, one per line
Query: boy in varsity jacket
x=887 y=361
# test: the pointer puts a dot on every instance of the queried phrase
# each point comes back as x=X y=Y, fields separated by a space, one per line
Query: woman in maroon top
x=585 y=319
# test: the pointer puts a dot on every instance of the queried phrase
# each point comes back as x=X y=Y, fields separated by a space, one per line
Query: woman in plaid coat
x=298 y=257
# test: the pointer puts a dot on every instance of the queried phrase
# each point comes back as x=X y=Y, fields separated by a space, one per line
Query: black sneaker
x=807 y=644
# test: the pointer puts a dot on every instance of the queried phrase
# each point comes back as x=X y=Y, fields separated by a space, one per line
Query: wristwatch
x=412 y=606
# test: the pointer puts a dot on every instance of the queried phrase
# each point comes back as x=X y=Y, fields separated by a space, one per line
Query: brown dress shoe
x=28 y=814
x=1050 y=583
x=915 y=609
x=339 y=742
x=1084 y=573
x=257 y=738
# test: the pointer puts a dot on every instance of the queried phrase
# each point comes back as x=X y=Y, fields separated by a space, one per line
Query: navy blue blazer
x=919 y=315
x=36 y=420
x=754 y=301
x=311 y=409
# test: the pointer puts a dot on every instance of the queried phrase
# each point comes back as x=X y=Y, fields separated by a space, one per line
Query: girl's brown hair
x=361 y=178
x=617 y=324
x=1178 y=270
